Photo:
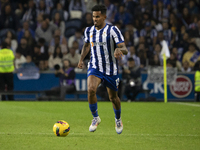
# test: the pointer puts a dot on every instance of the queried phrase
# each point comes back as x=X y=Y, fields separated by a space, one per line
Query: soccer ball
x=61 y=128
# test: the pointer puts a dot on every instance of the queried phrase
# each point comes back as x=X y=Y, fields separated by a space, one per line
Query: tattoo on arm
x=123 y=48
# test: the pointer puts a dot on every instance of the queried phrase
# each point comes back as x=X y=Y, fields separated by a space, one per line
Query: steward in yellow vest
x=6 y=70
x=197 y=85
x=197 y=81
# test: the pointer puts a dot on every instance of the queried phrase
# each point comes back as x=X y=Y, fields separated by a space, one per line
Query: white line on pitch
x=100 y=134
x=187 y=104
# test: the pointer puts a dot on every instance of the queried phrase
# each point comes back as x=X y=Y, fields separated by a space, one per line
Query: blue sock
x=93 y=109
x=117 y=113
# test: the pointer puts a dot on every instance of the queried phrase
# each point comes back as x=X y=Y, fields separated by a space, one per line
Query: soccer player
x=107 y=47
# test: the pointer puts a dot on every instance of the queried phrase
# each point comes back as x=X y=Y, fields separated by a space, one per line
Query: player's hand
x=61 y=71
x=80 y=65
x=118 y=54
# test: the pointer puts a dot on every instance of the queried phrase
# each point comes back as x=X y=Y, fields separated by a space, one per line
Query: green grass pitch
x=147 y=126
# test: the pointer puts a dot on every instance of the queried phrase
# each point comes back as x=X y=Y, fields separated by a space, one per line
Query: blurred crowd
x=48 y=31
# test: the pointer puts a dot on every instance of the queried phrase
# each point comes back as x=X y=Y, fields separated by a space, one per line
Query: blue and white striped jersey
x=153 y=33
x=102 y=45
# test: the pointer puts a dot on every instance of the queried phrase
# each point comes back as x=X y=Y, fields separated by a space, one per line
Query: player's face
x=98 y=18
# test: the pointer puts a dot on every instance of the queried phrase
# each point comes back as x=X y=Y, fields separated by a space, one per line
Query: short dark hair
x=41 y=41
x=4 y=45
x=100 y=7
x=131 y=59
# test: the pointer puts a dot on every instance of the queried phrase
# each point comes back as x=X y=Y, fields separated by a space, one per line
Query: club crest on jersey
x=104 y=34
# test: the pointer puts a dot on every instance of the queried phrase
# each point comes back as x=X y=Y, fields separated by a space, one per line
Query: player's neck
x=101 y=27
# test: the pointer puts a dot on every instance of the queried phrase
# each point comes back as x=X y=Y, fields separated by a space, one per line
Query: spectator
x=196 y=32
x=39 y=19
x=170 y=64
x=122 y=16
x=59 y=23
x=30 y=14
x=160 y=12
x=77 y=37
x=166 y=3
x=62 y=41
x=186 y=18
x=194 y=25
x=192 y=7
x=44 y=54
x=57 y=43
x=48 y=4
x=183 y=44
x=36 y=56
x=176 y=63
x=66 y=75
x=149 y=34
x=143 y=58
x=19 y=60
x=25 y=27
x=131 y=54
x=128 y=40
x=168 y=34
x=157 y=25
x=76 y=47
x=173 y=23
x=141 y=8
x=111 y=11
x=8 y=41
x=42 y=8
x=63 y=13
x=133 y=32
x=192 y=55
x=155 y=61
x=56 y=58
x=23 y=47
x=157 y=51
x=87 y=21
x=90 y=4
x=8 y=19
x=45 y=31
x=130 y=7
x=28 y=62
x=132 y=75
x=30 y=40
x=177 y=53
x=77 y=5
x=14 y=43
x=73 y=57
x=160 y=37
x=186 y=67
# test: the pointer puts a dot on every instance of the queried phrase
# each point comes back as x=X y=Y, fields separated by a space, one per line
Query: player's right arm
x=84 y=52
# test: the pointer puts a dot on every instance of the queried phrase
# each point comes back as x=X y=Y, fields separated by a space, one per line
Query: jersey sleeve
x=117 y=35
x=86 y=35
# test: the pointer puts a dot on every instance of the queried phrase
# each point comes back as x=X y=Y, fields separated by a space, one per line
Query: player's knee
x=113 y=98
x=91 y=91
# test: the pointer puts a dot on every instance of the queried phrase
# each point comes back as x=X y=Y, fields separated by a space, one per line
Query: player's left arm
x=120 y=51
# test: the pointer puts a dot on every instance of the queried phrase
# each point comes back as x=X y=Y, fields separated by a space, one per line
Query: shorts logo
x=89 y=72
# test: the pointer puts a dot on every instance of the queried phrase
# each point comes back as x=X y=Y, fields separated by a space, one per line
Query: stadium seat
x=75 y=23
x=69 y=32
x=75 y=14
